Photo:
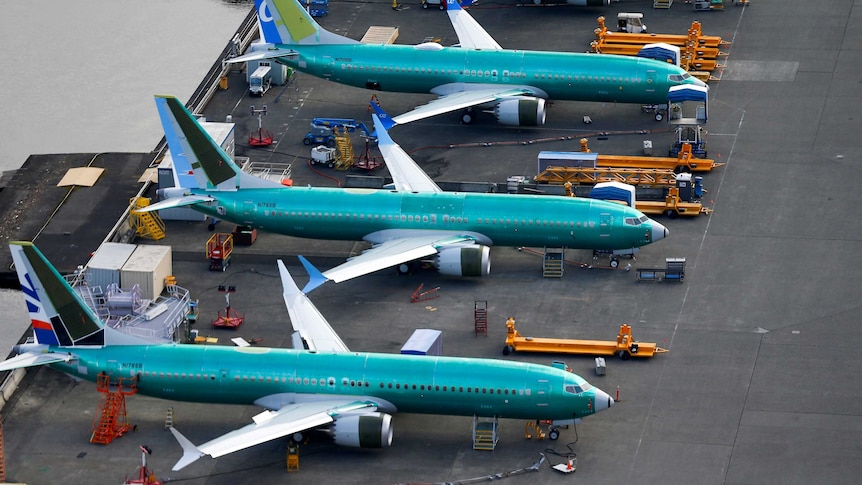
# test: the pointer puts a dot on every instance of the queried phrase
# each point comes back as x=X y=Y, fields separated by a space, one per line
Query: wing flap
x=391 y=253
x=458 y=100
x=268 y=426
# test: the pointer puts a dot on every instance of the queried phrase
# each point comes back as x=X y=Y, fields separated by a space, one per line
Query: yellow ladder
x=484 y=434
x=145 y=224
x=345 y=148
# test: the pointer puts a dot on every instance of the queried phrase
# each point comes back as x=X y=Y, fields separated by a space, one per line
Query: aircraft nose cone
x=603 y=400
x=658 y=231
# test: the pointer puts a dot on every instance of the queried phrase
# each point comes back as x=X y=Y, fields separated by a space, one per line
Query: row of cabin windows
x=323 y=382
x=475 y=390
x=431 y=218
x=489 y=73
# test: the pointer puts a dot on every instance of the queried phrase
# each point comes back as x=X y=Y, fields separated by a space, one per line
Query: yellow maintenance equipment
x=672 y=206
x=145 y=224
x=624 y=347
x=683 y=162
x=698 y=52
x=584 y=175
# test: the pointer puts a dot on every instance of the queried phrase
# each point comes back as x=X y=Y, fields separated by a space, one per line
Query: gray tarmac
x=761 y=383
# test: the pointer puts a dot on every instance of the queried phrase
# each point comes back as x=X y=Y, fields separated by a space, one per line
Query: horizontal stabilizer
x=262 y=55
x=176 y=202
x=30 y=359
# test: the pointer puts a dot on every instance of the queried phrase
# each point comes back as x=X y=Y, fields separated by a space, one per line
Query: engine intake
x=521 y=111
x=473 y=260
x=372 y=430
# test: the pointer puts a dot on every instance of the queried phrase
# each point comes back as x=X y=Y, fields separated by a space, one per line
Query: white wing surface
x=406 y=175
x=471 y=35
x=392 y=253
x=268 y=425
x=305 y=317
x=459 y=100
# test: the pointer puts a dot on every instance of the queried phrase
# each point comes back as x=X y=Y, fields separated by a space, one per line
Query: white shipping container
x=147 y=267
x=105 y=264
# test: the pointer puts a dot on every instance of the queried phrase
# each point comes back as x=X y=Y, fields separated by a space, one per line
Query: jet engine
x=521 y=111
x=473 y=260
x=372 y=430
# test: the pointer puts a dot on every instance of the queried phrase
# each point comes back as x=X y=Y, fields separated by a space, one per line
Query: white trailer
x=260 y=81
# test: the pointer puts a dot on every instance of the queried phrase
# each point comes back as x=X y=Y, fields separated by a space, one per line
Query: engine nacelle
x=521 y=111
x=372 y=430
x=473 y=260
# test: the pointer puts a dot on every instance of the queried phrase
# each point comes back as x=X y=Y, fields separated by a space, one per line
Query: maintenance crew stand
x=292 y=457
x=111 y=421
x=687 y=113
x=145 y=224
x=480 y=317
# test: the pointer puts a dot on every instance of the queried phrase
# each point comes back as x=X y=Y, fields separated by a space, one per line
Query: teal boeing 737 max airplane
x=511 y=84
x=326 y=386
x=416 y=221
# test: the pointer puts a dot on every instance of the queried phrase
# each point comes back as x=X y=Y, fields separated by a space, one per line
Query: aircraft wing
x=269 y=425
x=176 y=202
x=386 y=255
x=459 y=100
x=406 y=175
x=471 y=35
x=30 y=359
x=306 y=319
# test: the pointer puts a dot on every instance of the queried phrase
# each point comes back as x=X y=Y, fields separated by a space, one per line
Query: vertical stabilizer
x=288 y=22
x=58 y=314
x=192 y=145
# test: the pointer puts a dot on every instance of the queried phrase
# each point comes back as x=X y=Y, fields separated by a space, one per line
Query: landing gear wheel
x=507 y=350
x=615 y=263
x=658 y=116
x=466 y=118
x=554 y=434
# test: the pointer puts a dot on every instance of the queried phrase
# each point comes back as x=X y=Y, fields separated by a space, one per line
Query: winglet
x=191 y=453
x=316 y=278
x=456 y=5
x=386 y=122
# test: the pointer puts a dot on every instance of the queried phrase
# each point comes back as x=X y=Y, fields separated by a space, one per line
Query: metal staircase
x=345 y=148
x=145 y=224
x=485 y=433
x=111 y=421
x=553 y=263
x=480 y=317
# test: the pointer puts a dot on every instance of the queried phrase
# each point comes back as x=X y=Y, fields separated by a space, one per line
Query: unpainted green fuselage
x=560 y=75
x=503 y=219
x=413 y=384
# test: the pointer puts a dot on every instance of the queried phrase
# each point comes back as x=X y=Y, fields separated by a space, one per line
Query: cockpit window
x=578 y=388
x=636 y=221
x=679 y=77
